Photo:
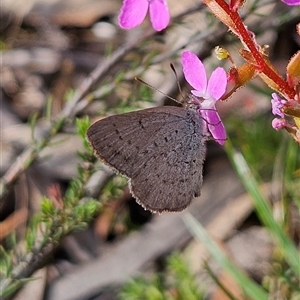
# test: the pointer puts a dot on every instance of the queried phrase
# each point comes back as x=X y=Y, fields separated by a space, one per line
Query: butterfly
x=161 y=150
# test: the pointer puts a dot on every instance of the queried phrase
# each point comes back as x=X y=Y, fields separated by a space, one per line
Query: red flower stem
x=242 y=32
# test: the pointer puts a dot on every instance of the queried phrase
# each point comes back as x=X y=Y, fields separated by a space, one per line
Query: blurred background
x=69 y=227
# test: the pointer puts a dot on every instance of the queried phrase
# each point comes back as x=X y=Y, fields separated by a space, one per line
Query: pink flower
x=278 y=124
x=277 y=105
x=291 y=2
x=207 y=93
x=133 y=12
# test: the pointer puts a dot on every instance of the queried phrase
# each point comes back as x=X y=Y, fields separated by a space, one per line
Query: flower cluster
x=277 y=106
x=286 y=108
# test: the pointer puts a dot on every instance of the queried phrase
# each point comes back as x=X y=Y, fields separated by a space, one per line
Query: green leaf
x=82 y=125
x=251 y=289
x=30 y=238
x=47 y=206
x=263 y=209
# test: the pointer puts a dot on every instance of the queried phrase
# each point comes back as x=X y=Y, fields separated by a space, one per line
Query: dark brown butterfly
x=161 y=150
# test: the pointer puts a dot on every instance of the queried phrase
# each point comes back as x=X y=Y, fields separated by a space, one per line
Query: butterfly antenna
x=155 y=89
x=177 y=80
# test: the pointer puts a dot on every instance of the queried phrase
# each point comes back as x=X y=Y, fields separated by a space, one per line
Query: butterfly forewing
x=161 y=150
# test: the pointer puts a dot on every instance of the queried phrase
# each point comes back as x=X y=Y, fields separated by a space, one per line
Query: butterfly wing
x=160 y=149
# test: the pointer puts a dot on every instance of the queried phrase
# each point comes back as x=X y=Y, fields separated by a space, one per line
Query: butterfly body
x=161 y=150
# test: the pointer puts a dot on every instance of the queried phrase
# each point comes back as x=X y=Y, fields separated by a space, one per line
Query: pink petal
x=291 y=2
x=215 y=125
x=133 y=12
x=278 y=124
x=159 y=14
x=217 y=83
x=194 y=71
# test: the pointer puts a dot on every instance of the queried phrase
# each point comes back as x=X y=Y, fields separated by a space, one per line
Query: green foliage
x=120 y=76
x=32 y=121
x=57 y=218
x=263 y=209
x=176 y=283
x=82 y=126
x=257 y=140
x=282 y=283
x=250 y=287
x=286 y=264
x=258 y=151
x=6 y=262
x=114 y=188
x=291 y=172
x=47 y=207
x=183 y=279
x=69 y=95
